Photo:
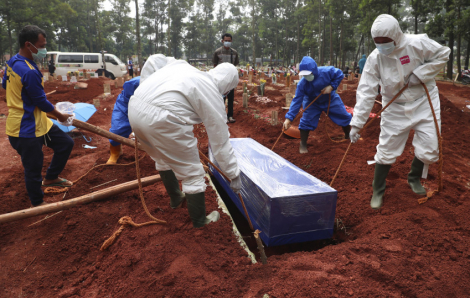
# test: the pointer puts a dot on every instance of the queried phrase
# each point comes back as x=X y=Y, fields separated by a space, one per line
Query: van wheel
x=109 y=75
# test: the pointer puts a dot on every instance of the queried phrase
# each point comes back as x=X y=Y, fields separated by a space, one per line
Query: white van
x=72 y=61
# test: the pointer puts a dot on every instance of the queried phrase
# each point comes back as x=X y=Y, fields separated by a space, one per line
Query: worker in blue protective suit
x=120 y=121
x=315 y=80
x=362 y=63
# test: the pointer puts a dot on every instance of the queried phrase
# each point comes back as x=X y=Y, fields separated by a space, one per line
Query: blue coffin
x=285 y=203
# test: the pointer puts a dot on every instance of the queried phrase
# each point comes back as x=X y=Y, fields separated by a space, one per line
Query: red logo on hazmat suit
x=405 y=59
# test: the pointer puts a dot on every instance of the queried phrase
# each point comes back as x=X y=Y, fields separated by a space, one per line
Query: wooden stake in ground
x=245 y=100
x=250 y=79
x=345 y=87
x=274 y=117
x=289 y=98
x=96 y=102
x=95 y=196
x=107 y=89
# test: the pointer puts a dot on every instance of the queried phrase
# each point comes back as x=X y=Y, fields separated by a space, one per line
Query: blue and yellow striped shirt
x=26 y=100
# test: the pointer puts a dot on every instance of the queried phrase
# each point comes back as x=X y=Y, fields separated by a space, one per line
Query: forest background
x=333 y=32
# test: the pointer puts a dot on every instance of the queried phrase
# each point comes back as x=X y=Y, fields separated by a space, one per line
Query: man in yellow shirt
x=27 y=126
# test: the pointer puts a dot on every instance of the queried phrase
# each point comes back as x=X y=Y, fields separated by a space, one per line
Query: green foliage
x=277 y=30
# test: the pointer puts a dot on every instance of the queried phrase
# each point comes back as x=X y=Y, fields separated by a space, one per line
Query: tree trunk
x=459 y=40
x=298 y=42
x=359 y=47
x=467 y=56
x=331 y=41
x=341 y=43
x=451 y=43
x=137 y=30
x=88 y=27
x=98 y=21
x=169 y=28
x=320 y=50
x=276 y=34
x=253 y=38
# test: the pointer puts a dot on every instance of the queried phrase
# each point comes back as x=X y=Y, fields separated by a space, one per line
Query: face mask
x=227 y=44
x=309 y=77
x=385 y=48
x=41 y=54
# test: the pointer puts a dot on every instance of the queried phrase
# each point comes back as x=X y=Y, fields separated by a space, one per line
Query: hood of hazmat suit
x=225 y=76
x=164 y=109
x=154 y=63
x=307 y=91
x=309 y=64
x=414 y=54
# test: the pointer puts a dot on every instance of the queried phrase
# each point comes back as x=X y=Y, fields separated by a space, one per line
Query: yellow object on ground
x=115 y=151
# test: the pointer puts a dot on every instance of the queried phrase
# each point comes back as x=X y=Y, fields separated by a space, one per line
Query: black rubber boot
x=197 y=210
x=172 y=188
x=346 y=130
x=414 y=176
x=378 y=185
x=303 y=140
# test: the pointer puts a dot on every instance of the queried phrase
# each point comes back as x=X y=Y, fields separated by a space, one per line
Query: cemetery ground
x=402 y=250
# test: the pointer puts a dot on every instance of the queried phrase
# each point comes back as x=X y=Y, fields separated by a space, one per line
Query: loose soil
x=402 y=250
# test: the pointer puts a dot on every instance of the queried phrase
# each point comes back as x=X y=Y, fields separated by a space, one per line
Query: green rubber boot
x=378 y=185
x=172 y=187
x=414 y=177
x=303 y=140
x=197 y=210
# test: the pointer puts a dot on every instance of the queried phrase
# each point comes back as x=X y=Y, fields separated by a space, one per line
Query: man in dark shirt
x=226 y=54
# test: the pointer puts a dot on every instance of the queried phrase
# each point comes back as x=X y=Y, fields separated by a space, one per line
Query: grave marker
x=96 y=102
x=289 y=98
x=274 y=118
x=345 y=87
x=245 y=100
x=107 y=89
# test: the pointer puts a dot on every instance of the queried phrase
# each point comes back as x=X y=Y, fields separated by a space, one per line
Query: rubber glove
x=287 y=124
x=236 y=184
x=413 y=80
x=327 y=89
x=354 y=135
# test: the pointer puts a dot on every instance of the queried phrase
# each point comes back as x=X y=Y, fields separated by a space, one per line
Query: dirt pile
x=405 y=249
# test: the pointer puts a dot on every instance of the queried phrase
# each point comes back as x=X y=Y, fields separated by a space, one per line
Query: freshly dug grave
x=405 y=249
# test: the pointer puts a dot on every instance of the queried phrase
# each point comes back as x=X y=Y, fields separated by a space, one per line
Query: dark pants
x=230 y=96
x=30 y=150
x=131 y=73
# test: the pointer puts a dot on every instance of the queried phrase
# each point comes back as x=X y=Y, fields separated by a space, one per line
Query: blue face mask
x=227 y=44
x=309 y=77
x=41 y=54
x=385 y=48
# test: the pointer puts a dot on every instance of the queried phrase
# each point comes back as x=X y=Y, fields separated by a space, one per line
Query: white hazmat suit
x=413 y=54
x=164 y=109
x=154 y=63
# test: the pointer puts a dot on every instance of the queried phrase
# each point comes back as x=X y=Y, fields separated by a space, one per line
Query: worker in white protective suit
x=120 y=121
x=400 y=59
x=162 y=113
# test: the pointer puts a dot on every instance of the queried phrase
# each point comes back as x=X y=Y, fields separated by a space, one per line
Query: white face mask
x=385 y=48
x=227 y=44
x=309 y=77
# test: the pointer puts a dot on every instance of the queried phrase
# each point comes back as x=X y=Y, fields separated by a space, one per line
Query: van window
x=91 y=59
x=110 y=60
x=71 y=58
